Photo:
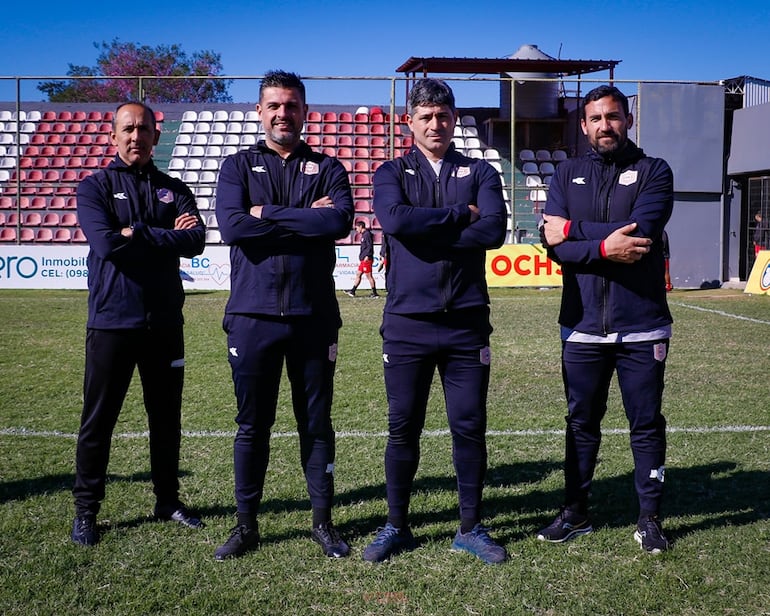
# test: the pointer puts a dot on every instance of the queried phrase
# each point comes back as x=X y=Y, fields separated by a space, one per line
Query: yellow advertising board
x=759 y=279
x=522 y=265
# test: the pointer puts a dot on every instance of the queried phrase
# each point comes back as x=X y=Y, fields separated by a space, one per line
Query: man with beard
x=281 y=206
x=603 y=223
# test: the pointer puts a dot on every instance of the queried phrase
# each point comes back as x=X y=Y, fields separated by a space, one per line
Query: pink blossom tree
x=168 y=75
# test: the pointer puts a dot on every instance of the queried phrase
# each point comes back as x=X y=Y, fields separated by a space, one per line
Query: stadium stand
x=58 y=149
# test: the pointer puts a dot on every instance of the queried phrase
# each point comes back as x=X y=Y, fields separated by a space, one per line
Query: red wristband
x=602 y=250
x=565 y=231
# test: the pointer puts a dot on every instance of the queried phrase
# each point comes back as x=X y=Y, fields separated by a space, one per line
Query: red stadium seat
x=62 y=235
x=329 y=116
x=8 y=234
x=64 y=116
x=78 y=236
x=51 y=219
x=44 y=235
x=68 y=219
x=345 y=116
x=33 y=219
x=57 y=203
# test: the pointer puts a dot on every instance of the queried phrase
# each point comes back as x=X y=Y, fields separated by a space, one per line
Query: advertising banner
x=759 y=279
x=65 y=267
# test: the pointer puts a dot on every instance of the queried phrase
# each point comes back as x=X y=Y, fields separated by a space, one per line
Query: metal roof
x=505 y=65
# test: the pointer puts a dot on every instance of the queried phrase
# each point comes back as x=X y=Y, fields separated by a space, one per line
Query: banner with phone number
x=65 y=267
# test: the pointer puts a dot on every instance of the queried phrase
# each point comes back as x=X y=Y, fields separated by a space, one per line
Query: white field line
x=25 y=432
x=721 y=313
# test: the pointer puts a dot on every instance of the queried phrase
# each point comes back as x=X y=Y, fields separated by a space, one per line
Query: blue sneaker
x=478 y=542
x=389 y=540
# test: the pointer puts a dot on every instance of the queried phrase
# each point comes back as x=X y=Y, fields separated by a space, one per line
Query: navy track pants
x=457 y=344
x=587 y=370
x=257 y=348
x=111 y=356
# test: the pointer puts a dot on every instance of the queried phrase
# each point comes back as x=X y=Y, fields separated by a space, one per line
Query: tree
x=119 y=59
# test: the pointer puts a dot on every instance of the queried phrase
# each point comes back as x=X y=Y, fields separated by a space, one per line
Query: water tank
x=534 y=99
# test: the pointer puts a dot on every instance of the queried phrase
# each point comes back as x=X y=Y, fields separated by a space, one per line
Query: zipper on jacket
x=438 y=201
x=281 y=260
x=613 y=172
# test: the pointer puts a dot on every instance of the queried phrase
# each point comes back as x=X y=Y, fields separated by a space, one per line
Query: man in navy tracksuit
x=440 y=211
x=604 y=221
x=280 y=206
x=138 y=222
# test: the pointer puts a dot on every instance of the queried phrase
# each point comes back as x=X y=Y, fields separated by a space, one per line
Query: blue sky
x=706 y=40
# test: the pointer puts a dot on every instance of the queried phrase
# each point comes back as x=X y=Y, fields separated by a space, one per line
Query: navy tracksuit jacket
x=600 y=194
x=437 y=312
x=282 y=305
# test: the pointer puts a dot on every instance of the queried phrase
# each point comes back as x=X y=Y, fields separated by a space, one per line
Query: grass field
x=716 y=509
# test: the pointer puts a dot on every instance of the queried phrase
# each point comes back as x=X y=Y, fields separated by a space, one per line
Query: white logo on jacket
x=580 y=181
x=628 y=177
x=120 y=195
x=409 y=171
x=311 y=168
x=462 y=172
x=258 y=169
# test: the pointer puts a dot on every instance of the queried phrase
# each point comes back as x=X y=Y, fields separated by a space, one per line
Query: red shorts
x=365 y=266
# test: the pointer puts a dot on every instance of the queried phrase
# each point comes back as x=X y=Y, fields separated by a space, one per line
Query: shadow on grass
x=726 y=495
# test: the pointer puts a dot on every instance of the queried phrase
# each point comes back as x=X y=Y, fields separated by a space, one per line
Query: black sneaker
x=180 y=514
x=389 y=541
x=351 y=292
x=84 y=530
x=649 y=535
x=566 y=525
x=330 y=541
x=242 y=539
x=374 y=295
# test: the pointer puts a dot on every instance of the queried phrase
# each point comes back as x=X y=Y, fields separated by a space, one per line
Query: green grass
x=717 y=483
